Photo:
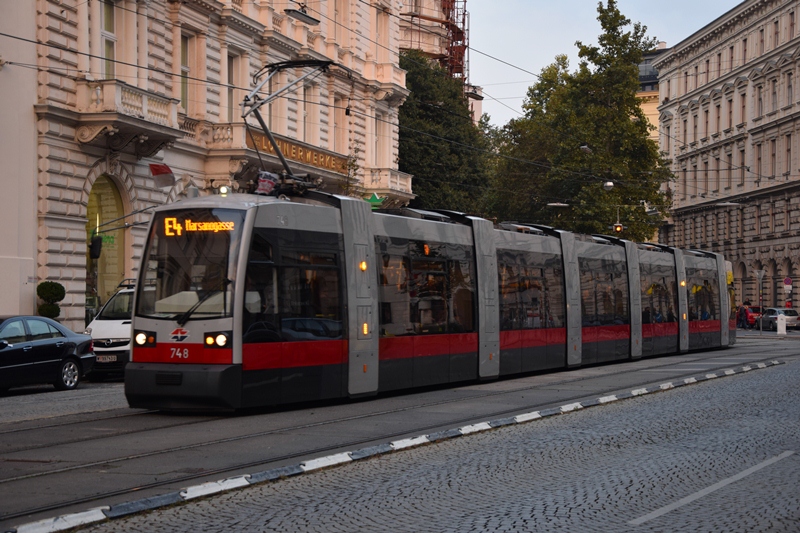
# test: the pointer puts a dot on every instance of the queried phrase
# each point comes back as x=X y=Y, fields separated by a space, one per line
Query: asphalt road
x=59 y=448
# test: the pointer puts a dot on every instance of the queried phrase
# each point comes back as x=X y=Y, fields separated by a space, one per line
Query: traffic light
x=618 y=228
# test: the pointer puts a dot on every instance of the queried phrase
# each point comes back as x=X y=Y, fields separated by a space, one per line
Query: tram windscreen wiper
x=185 y=316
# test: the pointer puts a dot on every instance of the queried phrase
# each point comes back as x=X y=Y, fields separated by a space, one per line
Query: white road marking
x=699 y=494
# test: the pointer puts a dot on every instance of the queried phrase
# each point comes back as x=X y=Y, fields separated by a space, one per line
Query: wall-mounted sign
x=299 y=152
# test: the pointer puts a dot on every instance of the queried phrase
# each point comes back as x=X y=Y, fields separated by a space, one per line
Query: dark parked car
x=34 y=350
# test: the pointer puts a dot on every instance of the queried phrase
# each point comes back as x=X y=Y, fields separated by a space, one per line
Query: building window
x=729 y=172
x=730 y=58
x=696 y=78
x=233 y=62
x=759 y=168
x=730 y=113
x=788 y=164
x=744 y=51
x=667 y=138
x=776 y=34
x=774 y=95
x=715 y=172
x=718 y=118
x=382 y=36
x=791 y=26
x=759 y=101
x=185 y=71
x=339 y=125
x=742 y=167
x=744 y=108
x=773 y=158
x=705 y=123
x=719 y=64
x=789 y=89
x=686 y=82
x=685 y=184
x=108 y=37
x=761 y=42
x=705 y=177
x=381 y=142
x=695 y=180
x=685 y=134
x=694 y=128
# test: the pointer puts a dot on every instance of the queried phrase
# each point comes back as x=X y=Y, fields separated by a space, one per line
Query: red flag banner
x=162 y=175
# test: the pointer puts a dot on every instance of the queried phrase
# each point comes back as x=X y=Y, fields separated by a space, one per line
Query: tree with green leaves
x=439 y=143
x=581 y=131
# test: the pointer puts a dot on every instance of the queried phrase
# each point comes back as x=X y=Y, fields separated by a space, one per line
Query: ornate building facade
x=730 y=123
x=97 y=90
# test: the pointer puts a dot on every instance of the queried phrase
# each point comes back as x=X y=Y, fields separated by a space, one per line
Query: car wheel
x=68 y=376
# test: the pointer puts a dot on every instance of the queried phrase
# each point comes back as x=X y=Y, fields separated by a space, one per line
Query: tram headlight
x=218 y=339
x=145 y=339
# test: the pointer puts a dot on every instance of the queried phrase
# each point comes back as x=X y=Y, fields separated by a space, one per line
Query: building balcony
x=389 y=182
x=122 y=114
x=114 y=96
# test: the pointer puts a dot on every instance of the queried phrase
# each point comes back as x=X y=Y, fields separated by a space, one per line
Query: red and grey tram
x=251 y=300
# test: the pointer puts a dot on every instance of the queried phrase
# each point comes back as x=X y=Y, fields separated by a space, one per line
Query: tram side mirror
x=95 y=247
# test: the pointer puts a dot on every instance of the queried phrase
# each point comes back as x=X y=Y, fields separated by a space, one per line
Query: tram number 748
x=179 y=353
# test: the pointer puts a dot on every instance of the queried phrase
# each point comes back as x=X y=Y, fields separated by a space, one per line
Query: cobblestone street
x=609 y=468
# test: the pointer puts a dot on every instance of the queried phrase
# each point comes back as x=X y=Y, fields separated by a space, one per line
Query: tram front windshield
x=190 y=264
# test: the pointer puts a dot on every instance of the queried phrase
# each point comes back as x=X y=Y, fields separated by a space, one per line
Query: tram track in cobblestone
x=291 y=428
x=265 y=462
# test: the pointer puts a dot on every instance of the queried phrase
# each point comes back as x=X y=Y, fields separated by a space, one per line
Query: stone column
x=141 y=17
x=176 y=58
x=95 y=48
x=223 y=75
x=83 y=37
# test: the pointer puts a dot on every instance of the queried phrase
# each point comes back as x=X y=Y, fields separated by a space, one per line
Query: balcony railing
x=114 y=96
x=389 y=180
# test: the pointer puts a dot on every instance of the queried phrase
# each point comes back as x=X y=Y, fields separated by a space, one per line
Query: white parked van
x=111 y=333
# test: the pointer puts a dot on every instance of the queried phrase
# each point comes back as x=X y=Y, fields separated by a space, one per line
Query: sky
x=529 y=34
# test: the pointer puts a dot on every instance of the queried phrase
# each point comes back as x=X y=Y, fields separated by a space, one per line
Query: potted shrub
x=50 y=292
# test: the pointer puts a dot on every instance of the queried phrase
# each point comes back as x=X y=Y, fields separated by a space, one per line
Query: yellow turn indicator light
x=684 y=316
x=365 y=369
x=683 y=283
x=209 y=340
x=363 y=266
x=365 y=328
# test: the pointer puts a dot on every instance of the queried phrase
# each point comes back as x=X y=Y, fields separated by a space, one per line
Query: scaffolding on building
x=442 y=33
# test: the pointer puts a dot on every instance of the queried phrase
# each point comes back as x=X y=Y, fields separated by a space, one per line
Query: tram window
x=702 y=291
x=531 y=291
x=604 y=292
x=659 y=293
x=311 y=294
x=462 y=292
x=260 y=322
x=298 y=257
x=395 y=304
x=429 y=296
x=555 y=308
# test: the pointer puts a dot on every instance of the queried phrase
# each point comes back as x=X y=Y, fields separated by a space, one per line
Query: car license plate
x=106 y=358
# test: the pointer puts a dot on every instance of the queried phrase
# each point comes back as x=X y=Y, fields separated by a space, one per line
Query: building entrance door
x=104 y=273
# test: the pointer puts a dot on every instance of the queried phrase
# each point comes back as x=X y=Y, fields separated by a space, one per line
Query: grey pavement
x=722 y=455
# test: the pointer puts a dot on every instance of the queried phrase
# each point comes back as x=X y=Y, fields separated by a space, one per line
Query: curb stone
x=99 y=514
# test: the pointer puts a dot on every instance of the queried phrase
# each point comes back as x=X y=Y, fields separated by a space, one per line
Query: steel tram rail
x=266 y=462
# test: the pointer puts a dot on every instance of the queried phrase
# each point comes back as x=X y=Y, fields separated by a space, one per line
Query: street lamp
x=302 y=15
